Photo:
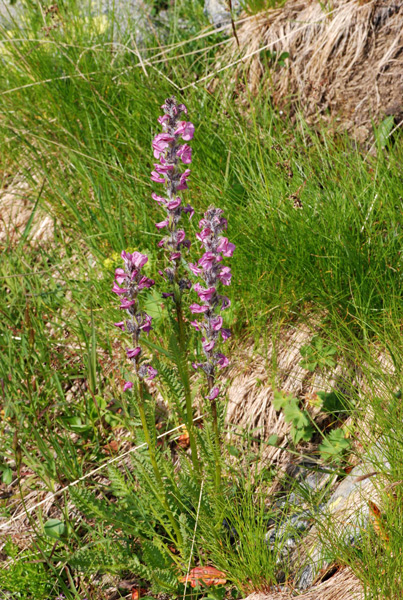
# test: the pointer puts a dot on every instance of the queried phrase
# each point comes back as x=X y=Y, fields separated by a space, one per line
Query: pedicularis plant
x=166 y=487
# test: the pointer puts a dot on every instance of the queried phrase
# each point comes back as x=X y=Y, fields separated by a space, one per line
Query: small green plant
x=317 y=355
x=26 y=577
x=301 y=425
x=334 y=446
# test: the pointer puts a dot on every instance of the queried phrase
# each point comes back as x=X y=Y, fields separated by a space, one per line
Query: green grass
x=77 y=119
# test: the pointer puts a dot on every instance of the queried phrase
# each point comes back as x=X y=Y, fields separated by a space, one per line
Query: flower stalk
x=170 y=153
x=213 y=273
x=137 y=323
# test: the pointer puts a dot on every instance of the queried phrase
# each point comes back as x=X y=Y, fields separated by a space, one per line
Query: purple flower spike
x=120 y=276
x=132 y=353
x=185 y=153
x=137 y=321
x=213 y=273
x=185 y=130
x=127 y=303
x=196 y=308
x=170 y=152
x=147 y=372
x=225 y=334
x=155 y=177
x=226 y=247
x=118 y=290
x=213 y=393
x=221 y=360
x=162 y=224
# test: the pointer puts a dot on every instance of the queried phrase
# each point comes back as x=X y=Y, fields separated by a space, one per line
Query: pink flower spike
x=204 y=295
x=127 y=386
x=160 y=199
x=226 y=302
x=125 y=303
x=145 y=282
x=216 y=323
x=226 y=247
x=196 y=308
x=118 y=290
x=147 y=371
x=162 y=224
x=186 y=130
x=160 y=143
x=222 y=361
x=213 y=393
x=162 y=169
x=121 y=325
x=155 y=177
x=139 y=260
x=207 y=260
x=180 y=236
x=225 y=333
x=152 y=373
x=182 y=185
x=204 y=234
x=185 y=153
x=146 y=324
x=174 y=203
x=208 y=346
x=133 y=352
x=195 y=269
x=225 y=276
x=120 y=276
x=189 y=209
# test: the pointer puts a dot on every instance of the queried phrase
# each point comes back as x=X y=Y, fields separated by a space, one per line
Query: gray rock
x=347 y=510
x=130 y=17
x=218 y=11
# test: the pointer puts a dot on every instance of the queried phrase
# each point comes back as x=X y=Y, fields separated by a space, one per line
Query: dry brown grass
x=344 y=585
x=17 y=202
x=348 y=64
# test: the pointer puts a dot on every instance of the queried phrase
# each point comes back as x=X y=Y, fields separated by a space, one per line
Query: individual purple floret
x=213 y=273
x=170 y=152
x=133 y=281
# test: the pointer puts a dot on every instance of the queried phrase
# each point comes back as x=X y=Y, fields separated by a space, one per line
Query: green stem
x=216 y=430
x=151 y=449
x=186 y=383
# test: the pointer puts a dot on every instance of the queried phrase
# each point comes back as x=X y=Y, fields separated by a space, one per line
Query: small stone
x=218 y=11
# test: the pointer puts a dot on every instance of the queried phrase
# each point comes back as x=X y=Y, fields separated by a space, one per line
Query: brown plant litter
x=345 y=59
x=344 y=585
x=17 y=202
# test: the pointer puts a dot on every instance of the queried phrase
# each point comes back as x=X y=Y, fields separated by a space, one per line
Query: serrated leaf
x=54 y=528
x=279 y=400
x=304 y=434
x=293 y=414
x=334 y=445
x=309 y=365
